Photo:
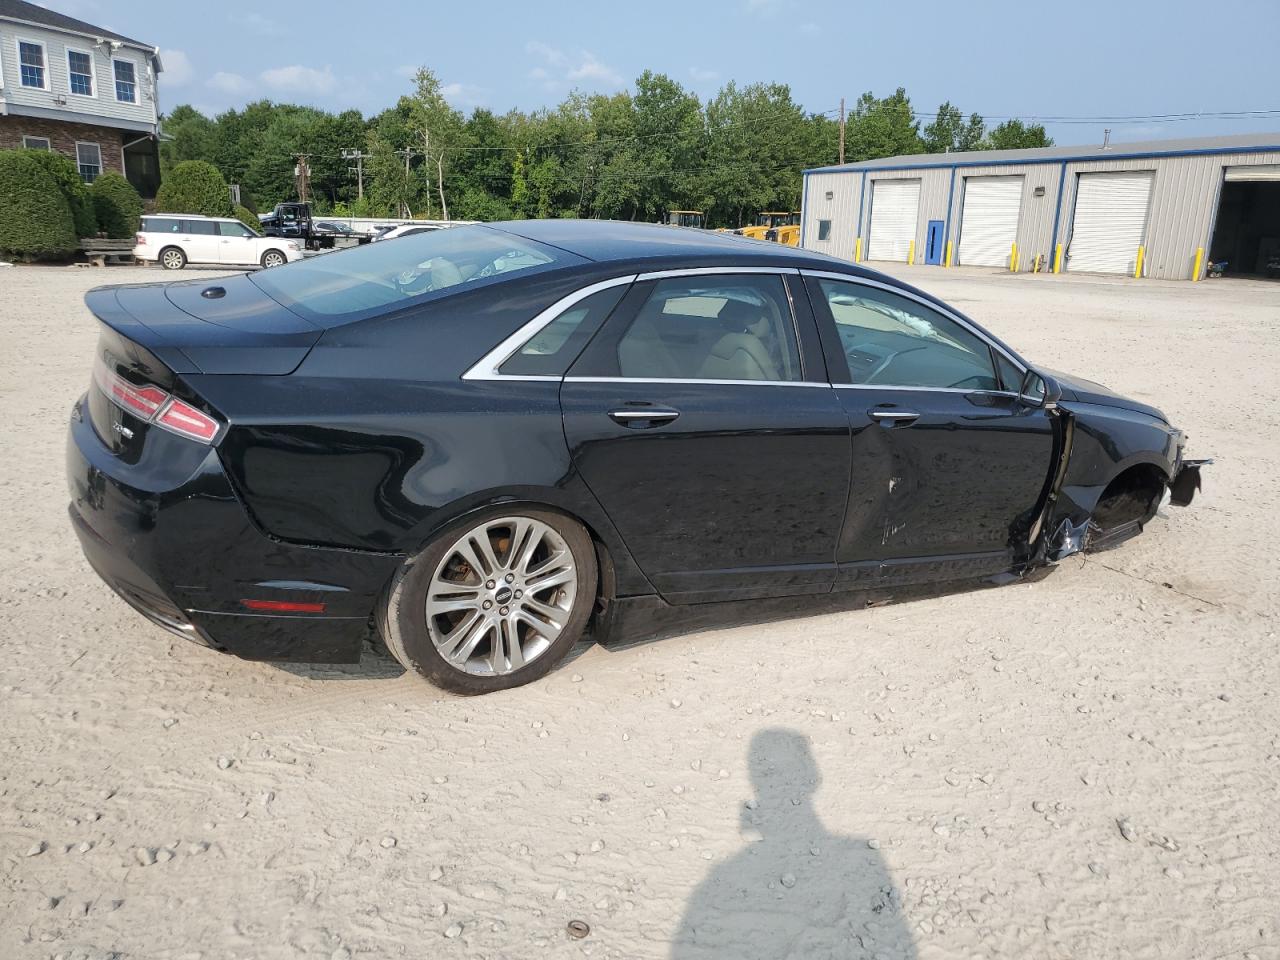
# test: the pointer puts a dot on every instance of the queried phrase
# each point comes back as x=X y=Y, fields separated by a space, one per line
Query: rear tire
x=172 y=258
x=273 y=258
x=495 y=601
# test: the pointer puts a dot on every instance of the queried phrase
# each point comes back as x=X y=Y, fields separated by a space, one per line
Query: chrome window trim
x=885 y=386
x=980 y=334
x=711 y=271
x=486 y=368
x=677 y=380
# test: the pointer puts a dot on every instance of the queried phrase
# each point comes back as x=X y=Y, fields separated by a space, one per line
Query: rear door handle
x=641 y=418
x=903 y=417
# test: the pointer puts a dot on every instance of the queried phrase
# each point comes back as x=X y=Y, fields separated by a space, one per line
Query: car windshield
x=336 y=286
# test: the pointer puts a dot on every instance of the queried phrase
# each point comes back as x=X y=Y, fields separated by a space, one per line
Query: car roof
x=187 y=216
x=619 y=241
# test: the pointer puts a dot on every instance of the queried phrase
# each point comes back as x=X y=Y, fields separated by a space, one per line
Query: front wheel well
x=1133 y=494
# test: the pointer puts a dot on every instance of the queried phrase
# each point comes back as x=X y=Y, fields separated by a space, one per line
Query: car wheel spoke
x=510 y=582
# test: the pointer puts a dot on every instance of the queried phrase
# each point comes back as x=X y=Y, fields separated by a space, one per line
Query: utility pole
x=356 y=155
x=404 y=203
x=841 y=129
x=302 y=176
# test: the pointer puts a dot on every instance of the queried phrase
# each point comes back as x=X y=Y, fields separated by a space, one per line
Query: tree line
x=632 y=155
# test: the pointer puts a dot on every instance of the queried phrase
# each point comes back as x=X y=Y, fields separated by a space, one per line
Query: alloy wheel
x=173 y=260
x=272 y=259
x=501 y=596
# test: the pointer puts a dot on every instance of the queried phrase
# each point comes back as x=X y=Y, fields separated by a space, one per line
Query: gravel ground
x=1081 y=767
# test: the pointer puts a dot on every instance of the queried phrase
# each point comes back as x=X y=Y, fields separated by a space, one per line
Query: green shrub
x=35 y=218
x=194 y=186
x=117 y=205
x=67 y=176
x=248 y=218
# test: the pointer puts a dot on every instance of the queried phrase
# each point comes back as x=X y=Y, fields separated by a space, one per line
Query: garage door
x=1110 y=221
x=989 y=220
x=894 y=207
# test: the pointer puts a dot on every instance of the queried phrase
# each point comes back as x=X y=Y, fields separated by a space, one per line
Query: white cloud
x=231 y=83
x=810 y=28
x=561 y=71
x=177 y=68
x=257 y=23
x=296 y=78
x=703 y=75
x=407 y=70
x=463 y=94
x=545 y=51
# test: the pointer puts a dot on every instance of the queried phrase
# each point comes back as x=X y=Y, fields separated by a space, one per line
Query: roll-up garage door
x=1110 y=222
x=1264 y=172
x=989 y=220
x=895 y=205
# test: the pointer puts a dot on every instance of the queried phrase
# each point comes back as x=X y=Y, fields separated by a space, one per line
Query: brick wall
x=63 y=136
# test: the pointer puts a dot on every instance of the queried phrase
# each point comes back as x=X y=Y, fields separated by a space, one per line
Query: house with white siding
x=81 y=90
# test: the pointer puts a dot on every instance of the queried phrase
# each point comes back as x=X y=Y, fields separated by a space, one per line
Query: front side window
x=36 y=143
x=388 y=274
x=89 y=160
x=80 y=68
x=730 y=327
x=234 y=229
x=31 y=64
x=126 y=75
x=890 y=340
x=551 y=351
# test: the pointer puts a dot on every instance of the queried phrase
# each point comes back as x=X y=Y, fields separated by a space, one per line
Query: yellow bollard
x=1137 y=270
x=948 y=253
x=911 y=252
x=1013 y=258
x=857 y=250
x=1057 y=259
x=1195 y=271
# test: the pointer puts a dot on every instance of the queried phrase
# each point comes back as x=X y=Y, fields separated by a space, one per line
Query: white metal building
x=1161 y=209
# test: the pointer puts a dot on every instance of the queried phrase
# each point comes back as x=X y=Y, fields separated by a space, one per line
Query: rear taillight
x=153 y=405
x=140 y=239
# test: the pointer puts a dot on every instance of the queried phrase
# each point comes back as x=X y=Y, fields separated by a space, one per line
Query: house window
x=824 y=229
x=36 y=143
x=89 y=160
x=126 y=81
x=31 y=64
x=80 y=67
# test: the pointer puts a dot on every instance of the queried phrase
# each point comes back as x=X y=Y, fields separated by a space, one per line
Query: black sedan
x=482 y=440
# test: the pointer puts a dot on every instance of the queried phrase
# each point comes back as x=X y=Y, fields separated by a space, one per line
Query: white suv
x=178 y=239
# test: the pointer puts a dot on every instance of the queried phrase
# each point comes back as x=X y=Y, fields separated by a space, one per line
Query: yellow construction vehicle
x=779 y=226
x=685 y=218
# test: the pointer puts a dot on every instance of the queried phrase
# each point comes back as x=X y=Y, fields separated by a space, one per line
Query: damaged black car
x=487 y=440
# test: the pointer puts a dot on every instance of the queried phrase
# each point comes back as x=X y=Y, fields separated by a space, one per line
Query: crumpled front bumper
x=1186 y=482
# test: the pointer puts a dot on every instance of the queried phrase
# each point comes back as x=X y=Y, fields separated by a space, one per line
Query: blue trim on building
x=1057 y=215
x=946 y=229
x=1029 y=161
x=804 y=200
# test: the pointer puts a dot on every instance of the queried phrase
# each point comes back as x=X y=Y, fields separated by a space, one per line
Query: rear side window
x=731 y=327
x=161 y=225
x=551 y=351
x=351 y=282
x=204 y=228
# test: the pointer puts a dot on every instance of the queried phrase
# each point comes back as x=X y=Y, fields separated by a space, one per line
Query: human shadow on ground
x=795 y=890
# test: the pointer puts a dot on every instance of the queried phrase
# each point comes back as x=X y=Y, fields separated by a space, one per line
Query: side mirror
x=1039 y=390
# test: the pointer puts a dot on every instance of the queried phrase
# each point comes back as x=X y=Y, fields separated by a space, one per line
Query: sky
x=1085 y=61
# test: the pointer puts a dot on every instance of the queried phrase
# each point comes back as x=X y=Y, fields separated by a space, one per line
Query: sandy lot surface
x=1081 y=767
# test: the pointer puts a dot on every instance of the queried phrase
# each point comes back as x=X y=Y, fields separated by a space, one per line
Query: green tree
x=116 y=205
x=247 y=217
x=194 y=186
x=882 y=128
x=668 y=145
x=437 y=129
x=1015 y=135
x=190 y=135
x=950 y=131
x=66 y=175
x=35 y=218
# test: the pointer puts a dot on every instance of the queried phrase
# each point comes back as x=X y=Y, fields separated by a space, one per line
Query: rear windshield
x=388 y=273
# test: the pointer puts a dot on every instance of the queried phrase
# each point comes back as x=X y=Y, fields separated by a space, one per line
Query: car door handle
x=641 y=418
x=894 y=416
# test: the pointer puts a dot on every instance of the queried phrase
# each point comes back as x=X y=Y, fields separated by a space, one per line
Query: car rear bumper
x=185 y=556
